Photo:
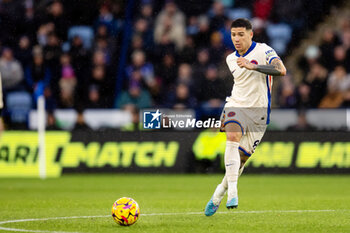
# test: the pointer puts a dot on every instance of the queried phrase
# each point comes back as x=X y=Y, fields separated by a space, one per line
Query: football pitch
x=175 y=203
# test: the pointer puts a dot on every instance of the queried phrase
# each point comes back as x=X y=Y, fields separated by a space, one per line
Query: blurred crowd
x=326 y=72
x=71 y=52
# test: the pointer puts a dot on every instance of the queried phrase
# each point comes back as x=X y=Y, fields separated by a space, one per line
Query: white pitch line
x=150 y=214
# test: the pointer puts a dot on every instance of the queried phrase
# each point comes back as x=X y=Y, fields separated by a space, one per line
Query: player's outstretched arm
x=276 y=68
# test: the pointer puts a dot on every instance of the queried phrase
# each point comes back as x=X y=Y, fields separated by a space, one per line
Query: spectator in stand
x=37 y=74
x=52 y=52
x=101 y=45
x=345 y=37
x=317 y=80
x=340 y=58
x=147 y=13
x=103 y=84
x=210 y=92
x=11 y=71
x=99 y=59
x=80 y=59
x=259 y=31
x=200 y=65
x=303 y=96
x=339 y=80
x=56 y=16
x=226 y=35
x=43 y=31
x=192 y=26
x=217 y=16
x=338 y=84
x=188 y=53
x=163 y=47
x=145 y=69
x=328 y=44
x=171 y=21
x=136 y=44
x=311 y=56
x=216 y=48
x=29 y=18
x=106 y=43
x=167 y=71
x=135 y=95
x=24 y=51
x=286 y=93
x=94 y=99
x=202 y=38
x=143 y=29
x=225 y=74
x=185 y=76
x=107 y=18
x=181 y=98
x=67 y=83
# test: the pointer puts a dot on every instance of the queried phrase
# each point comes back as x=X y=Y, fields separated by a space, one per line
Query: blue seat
x=279 y=34
x=18 y=105
x=239 y=13
x=86 y=33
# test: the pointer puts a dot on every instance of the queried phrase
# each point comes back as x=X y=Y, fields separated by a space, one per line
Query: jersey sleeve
x=270 y=54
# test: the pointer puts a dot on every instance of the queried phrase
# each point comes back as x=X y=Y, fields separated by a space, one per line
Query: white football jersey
x=251 y=89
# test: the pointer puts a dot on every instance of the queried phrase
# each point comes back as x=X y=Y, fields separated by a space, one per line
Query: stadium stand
x=74 y=55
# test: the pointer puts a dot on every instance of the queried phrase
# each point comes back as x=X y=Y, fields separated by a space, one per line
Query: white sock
x=220 y=191
x=232 y=164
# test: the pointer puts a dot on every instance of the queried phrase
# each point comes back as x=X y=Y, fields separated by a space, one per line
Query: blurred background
x=99 y=63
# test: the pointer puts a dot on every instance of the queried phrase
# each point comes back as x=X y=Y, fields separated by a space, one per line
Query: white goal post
x=41 y=136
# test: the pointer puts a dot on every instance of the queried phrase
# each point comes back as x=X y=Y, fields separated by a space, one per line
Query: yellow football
x=125 y=211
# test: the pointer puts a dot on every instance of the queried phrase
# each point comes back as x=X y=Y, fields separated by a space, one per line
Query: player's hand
x=244 y=63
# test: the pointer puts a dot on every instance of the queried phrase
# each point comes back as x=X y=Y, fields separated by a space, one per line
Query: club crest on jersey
x=231 y=114
x=254 y=62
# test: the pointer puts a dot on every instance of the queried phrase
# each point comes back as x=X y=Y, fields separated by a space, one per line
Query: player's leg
x=233 y=129
x=248 y=144
x=232 y=162
x=222 y=188
x=232 y=165
x=220 y=191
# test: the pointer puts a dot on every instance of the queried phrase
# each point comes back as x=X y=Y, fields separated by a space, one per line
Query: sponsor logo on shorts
x=231 y=114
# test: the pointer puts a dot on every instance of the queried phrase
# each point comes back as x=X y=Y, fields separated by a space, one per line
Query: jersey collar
x=248 y=51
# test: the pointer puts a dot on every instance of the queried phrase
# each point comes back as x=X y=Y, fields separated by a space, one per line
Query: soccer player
x=247 y=111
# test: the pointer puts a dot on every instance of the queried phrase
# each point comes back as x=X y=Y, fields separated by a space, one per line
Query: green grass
x=91 y=195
